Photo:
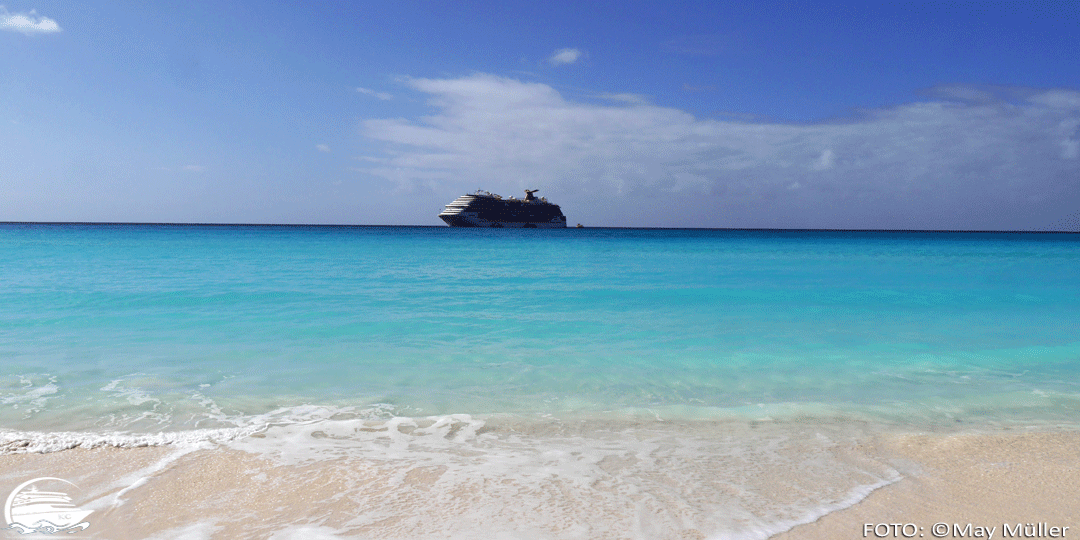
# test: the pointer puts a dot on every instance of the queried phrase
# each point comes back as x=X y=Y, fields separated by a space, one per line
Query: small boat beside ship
x=485 y=209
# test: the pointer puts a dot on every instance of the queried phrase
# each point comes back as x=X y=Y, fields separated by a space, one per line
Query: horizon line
x=345 y=225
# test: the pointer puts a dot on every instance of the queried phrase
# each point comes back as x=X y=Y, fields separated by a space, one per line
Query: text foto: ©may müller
x=963 y=530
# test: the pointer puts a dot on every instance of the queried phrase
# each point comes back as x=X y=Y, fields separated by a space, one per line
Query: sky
x=932 y=115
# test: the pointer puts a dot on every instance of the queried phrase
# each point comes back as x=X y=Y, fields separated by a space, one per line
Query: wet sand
x=960 y=480
x=985 y=480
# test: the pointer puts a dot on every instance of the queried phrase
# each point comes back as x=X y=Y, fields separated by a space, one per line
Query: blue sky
x=911 y=115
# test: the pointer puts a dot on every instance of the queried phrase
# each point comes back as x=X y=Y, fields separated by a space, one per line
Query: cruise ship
x=485 y=209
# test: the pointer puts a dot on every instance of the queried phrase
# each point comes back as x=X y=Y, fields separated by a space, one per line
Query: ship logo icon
x=32 y=510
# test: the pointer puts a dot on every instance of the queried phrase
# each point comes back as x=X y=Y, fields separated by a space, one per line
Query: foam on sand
x=457 y=476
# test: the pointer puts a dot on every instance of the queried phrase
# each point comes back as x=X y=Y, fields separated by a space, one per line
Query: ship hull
x=475 y=221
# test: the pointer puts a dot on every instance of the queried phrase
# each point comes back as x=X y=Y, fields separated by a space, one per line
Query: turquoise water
x=161 y=328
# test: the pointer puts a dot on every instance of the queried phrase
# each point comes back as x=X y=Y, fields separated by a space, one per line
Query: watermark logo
x=31 y=509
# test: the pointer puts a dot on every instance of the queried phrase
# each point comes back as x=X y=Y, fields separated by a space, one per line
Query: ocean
x=430 y=382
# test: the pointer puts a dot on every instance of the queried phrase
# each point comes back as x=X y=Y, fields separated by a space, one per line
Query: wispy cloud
x=998 y=164
x=369 y=92
x=27 y=23
x=194 y=168
x=825 y=161
x=564 y=56
x=631 y=99
x=322 y=147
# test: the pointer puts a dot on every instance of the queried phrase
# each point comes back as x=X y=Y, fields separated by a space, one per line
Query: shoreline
x=639 y=480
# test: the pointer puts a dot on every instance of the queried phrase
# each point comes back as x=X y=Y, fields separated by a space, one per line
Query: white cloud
x=322 y=147
x=564 y=56
x=924 y=165
x=27 y=23
x=1058 y=99
x=381 y=95
x=194 y=168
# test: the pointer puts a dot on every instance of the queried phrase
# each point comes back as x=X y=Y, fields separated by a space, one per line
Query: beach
x=247 y=490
